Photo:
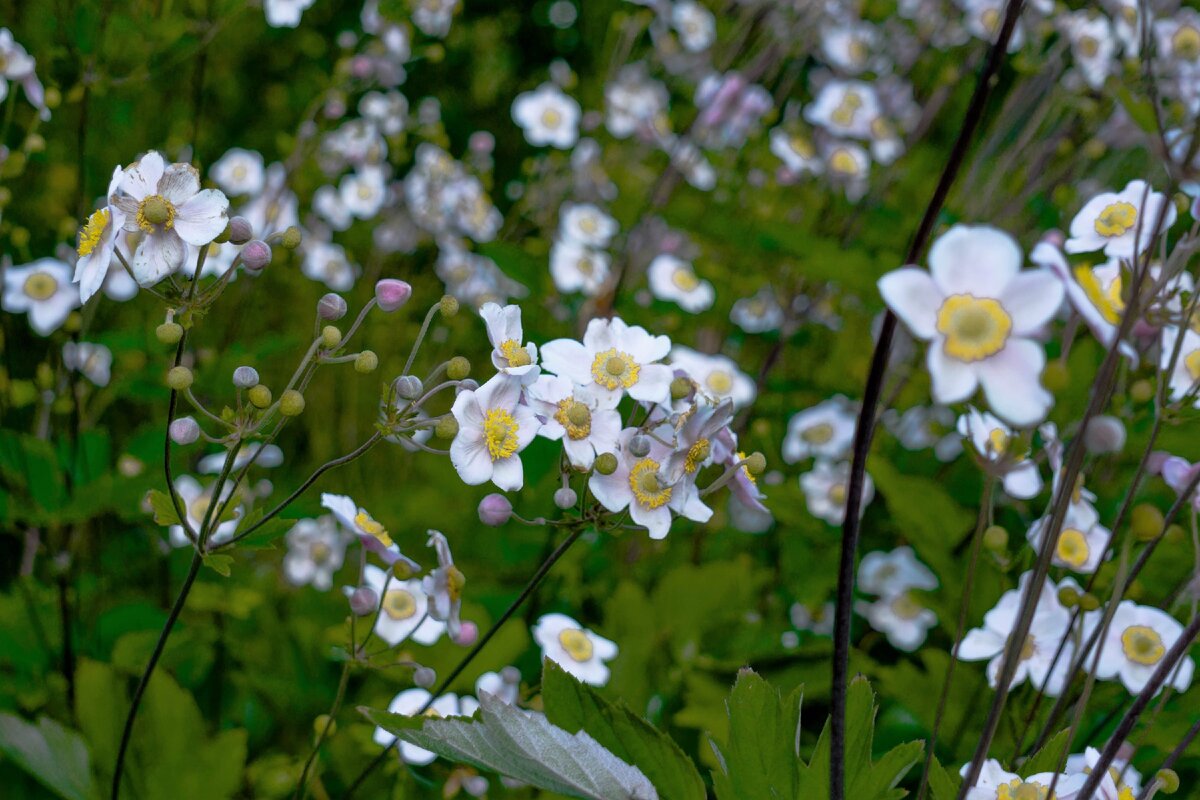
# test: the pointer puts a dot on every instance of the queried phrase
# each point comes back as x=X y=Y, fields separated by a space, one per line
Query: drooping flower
x=1001 y=453
x=1121 y=223
x=510 y=354
x=1136 y=642
x=370 y=532
x=979 y=312
x=614 y=359
x=493 y=428
x=573 y=415
x=42 y=290
x=443 y=586
x=573 y=647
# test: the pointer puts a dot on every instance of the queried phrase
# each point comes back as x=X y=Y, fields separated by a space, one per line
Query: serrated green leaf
x=760 y=758
x=164 y=508
x=219 y=563
x=1046 y=759
x=943 y=785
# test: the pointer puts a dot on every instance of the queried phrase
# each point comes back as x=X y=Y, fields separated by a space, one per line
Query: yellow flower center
x=843 y=162
x=858 y=51
x=576 y=643
x=1186 y=42
x=199 y=507
x=1116 y=219
x=696 y=455
x=685 y=279
x=367 y=524
x=514 y=354
x=837 y=493
x=905 y=607
x=1107 y=300
x=551 y=118
x=844 y=114
x=975 y=327
x=613 y=369
x=455 y=581
x=500 y=433
x=880 y=129
x=1073 y=548
x=1142 y=645
x=575 y=417
x=821 y=433
x=92 y=230
x=719 y=381
x=647 y=488
x=1017 y=789
x=319 y=552
x=40 y=286
x=585 y=266
x=1088 y=46
x=588 y=224
x=155 y=210
x=801 y=146
x=239 y=172
x=998 y=441
x=990 y=19
x=1192 y=363
x=399 y=604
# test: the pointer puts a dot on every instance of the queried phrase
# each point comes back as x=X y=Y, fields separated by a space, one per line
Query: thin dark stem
x=180 y=600
x=871 y=395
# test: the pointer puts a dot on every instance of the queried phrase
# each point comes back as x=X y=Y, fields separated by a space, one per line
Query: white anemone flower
x=1050 y=623
x=995 y=783
x=504 y=685
x=547 y=116
x=674 y=280
x=893 y=573
x=699 y=437
x=573 y=647
x=827 y=487
x=1081 y=541
x=363 y=192
x=825 y=430
x=328 y=264
x=1184 y=379
x=43 y=290
x=845 y=109
x=285 y=13
x=165 y=202
x=370 y=532
x=574 y=416
x=759 y=313
x=316 y=549
x=1001 y=452
x=196 y=500
x=239 y=172
x=493 y=428
x=717 y=376
x=1119 y=223
x=1136 y=642
x=1122 y=782
x=795 y=150
x=91 y=359
x=443 y=585
x=1093 y=291
x=696 y=25
x=576 y=267
x=614 y=359
x=404 y=608
x=901 y=618
x=97 y=241
x=979 y=313
x=586 y=224
x=510 y=354
x=408 y=703
x=1093 y=45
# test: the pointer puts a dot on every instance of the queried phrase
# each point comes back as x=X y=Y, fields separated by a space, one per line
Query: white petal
x=914 y=298
x=179 y=183
x=141 y=180
x=470 y=457
x=508 y=474
x=953 y=380
x=1031 y=299
x=978 y=260
x=653 y=384
x=202 y=218
x=157 y=256
x=1011 y=384
x=568 y=358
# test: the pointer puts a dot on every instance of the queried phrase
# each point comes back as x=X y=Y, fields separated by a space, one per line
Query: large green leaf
x=56 y=756
x=760 y=757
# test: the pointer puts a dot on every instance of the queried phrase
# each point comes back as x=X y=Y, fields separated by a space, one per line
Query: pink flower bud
x=467 y=634
x=495 y=510
x=391 y=294
x=331 y=307
x=240 y=230
x=363 y=601
x=184 y=430
x=256 y=255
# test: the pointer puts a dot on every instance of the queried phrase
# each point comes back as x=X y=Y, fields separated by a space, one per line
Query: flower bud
x=366 y=362
x=408 y=387
x=291 y=238
x=256 y=255
x=565 y=498
x=331 y=307
x=1055 y=376
x=324 y=725
x=995 y=538
x=1089 y=601
x=1104 y=434
x=391 y=294
x=1068 y=597
x=363 y=601
x=446 y=428
x=639 y=445
x=1146 y=521
x=184 y=430
x=291 y=403
x=424 y=677
x=1167 y=780
x=756 y=463
x=680 y=388
x=458 y=368
x=331 y=337
x=448 y=305
x=495 y=510
x=467 y=634
x=169 y=332
x=245 y=377
x=240 y=230
x=179 y=378
x=1141 y=391
x=260 y=396
x=605 y=464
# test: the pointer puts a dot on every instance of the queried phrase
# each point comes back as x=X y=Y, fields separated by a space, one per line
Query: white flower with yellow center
x=759 y=313
x=576 y=267
x=845 y=109
x=166 y=204
x=995 y=783
x=1179 y=36
x=1050 y=623
x=674 y=280
x=547 y=116
x=695 y=24
x=979 y=312
x=316 y=549
x=1117 y=223
x=17 y=65
x=97 y=240
x=1184 y=379
x=1123 y=782
x=699 y=435
x=1001 y=452
x=1136 y=643
x=43 y=290
x=1093 y=45
x=614 y=359
x=901 y=618
x=586 y=224
x=848 y=45
x=408 y=703
x=363 y=192
x=825 y=431
x=493 y=428
x=239 y=172
x=573 y=416
x=1081 y=541
x=573 y=647
x=796 y=150
x=196 y=500
x=328 y=264
x=826 y=489
x=1094 y=291
x=370 y=532
x=510 y=354
x=444 y=586
x=893 y=573
x=716 y=376
x=404 y=609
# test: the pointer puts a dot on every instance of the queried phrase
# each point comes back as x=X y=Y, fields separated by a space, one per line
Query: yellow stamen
x=696 y=455
x=1142 y=645
x=154 y=211
x=399 y=604
x=40 y=286
x=975 y=327
x=1073 y=548
x=576 y=643
x=646 y=486
x=1116 y=219
x=92 y=231
x=367 y=524
x=575 y=417
x=613 y=369
x=500 y=433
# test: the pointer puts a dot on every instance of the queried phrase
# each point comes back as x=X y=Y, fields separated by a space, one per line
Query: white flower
x=578 y=268
x=700 y=437
x=316 y=548
x=433 y=17
x=826 y=431
x=1122 y=781
x=276 y=207
x=573 y=415
x=826 y=489
x=263 y=455
x=819 y=621
x=796 y=151
x=443 y=585
x=17 y=65
x=404 y=608
x=285 y=13
x=509 y=353
x=845 y=108
x=586 y=224
x=1093 y=291
x=979 y=312
x=93 y=360
x=1049 y=626
x=1112 y=221
x=409 y=702
x=370 y=532
x=673 y=279
x=1092 y=45
x=493 y=428
x=1184 y=379
x=1179 y=36
x=922 y=427
x=1081 y=542
x=893 y=573
x=901 y=618
x=504 y=685
x=1002 y=453
x=613 y=359
x=97 y=240
x=1137 y=640
x=239 y=172
x=328 y=205
x=696 y=25
x=327 y=263
x=547 y=116
x=167 y=205
x=717 y=376
x=848 y=45
x=363 y=192
x=577 y=650
x=43 y=290
x=196 y=499
x=994 y=783
x=758 y=313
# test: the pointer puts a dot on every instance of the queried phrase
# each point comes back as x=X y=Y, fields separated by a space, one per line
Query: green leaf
x=56 y=756
x=219 y=563
x=943 y=785
x=1046 y=759
x=267 y=535
x=164 y=508
x=574 y=706
x=760 y=757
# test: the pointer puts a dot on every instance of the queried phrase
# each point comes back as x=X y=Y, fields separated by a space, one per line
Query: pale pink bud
x=495 y=510
x=391 y=294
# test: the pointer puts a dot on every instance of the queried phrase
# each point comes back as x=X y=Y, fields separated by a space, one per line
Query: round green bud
x=680 y=388
x=1146 y=521
x=756 y=463
x=155 y=210
x=44 y=376
x=260 y=396
x=606 y=463
x=1089 y=601
x=1068 y=597
x=324 y=725
x=1141 y=391
x=291 y=238
x=1167 y=780
x=995 y=538
x=1175 y=534
x=331 y=337
x=169 y=332
x=366 y=362
x=291 y=403
x=458 y=368
x=1055 y=376
x=447 y=427
x=179 y=378
x=448 y=306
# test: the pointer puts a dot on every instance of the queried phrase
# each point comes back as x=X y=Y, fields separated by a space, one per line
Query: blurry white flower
x=1002 y=453
x=493 y=428
x=42 y=290
x=673 y=279
x=405 y=611
x=758 y=313
x=893 y=573
x=93 y=360
x=826 y=488
x=1093 y=45
x=239 y=172
x=433 y=17
x=576 y=649
x=363 y=192
x=922 y=427
x=695 y=24
x=504 y=685
x=845 y=109
x=316 y=548
x=17 y=65
x=848 y=45
x=327 y=263
x=1116 y=222
x=717 y=376
x=1184 y=379
x=285 y=13
x=586 y=224
x=1081 y=541
x=578 y=268
x=263 y=455
x=328 y=205
x=901 y=618
x=196 y=499
x=825 y=430
x=796 y=151
x=819 y=621
x=547 y=116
